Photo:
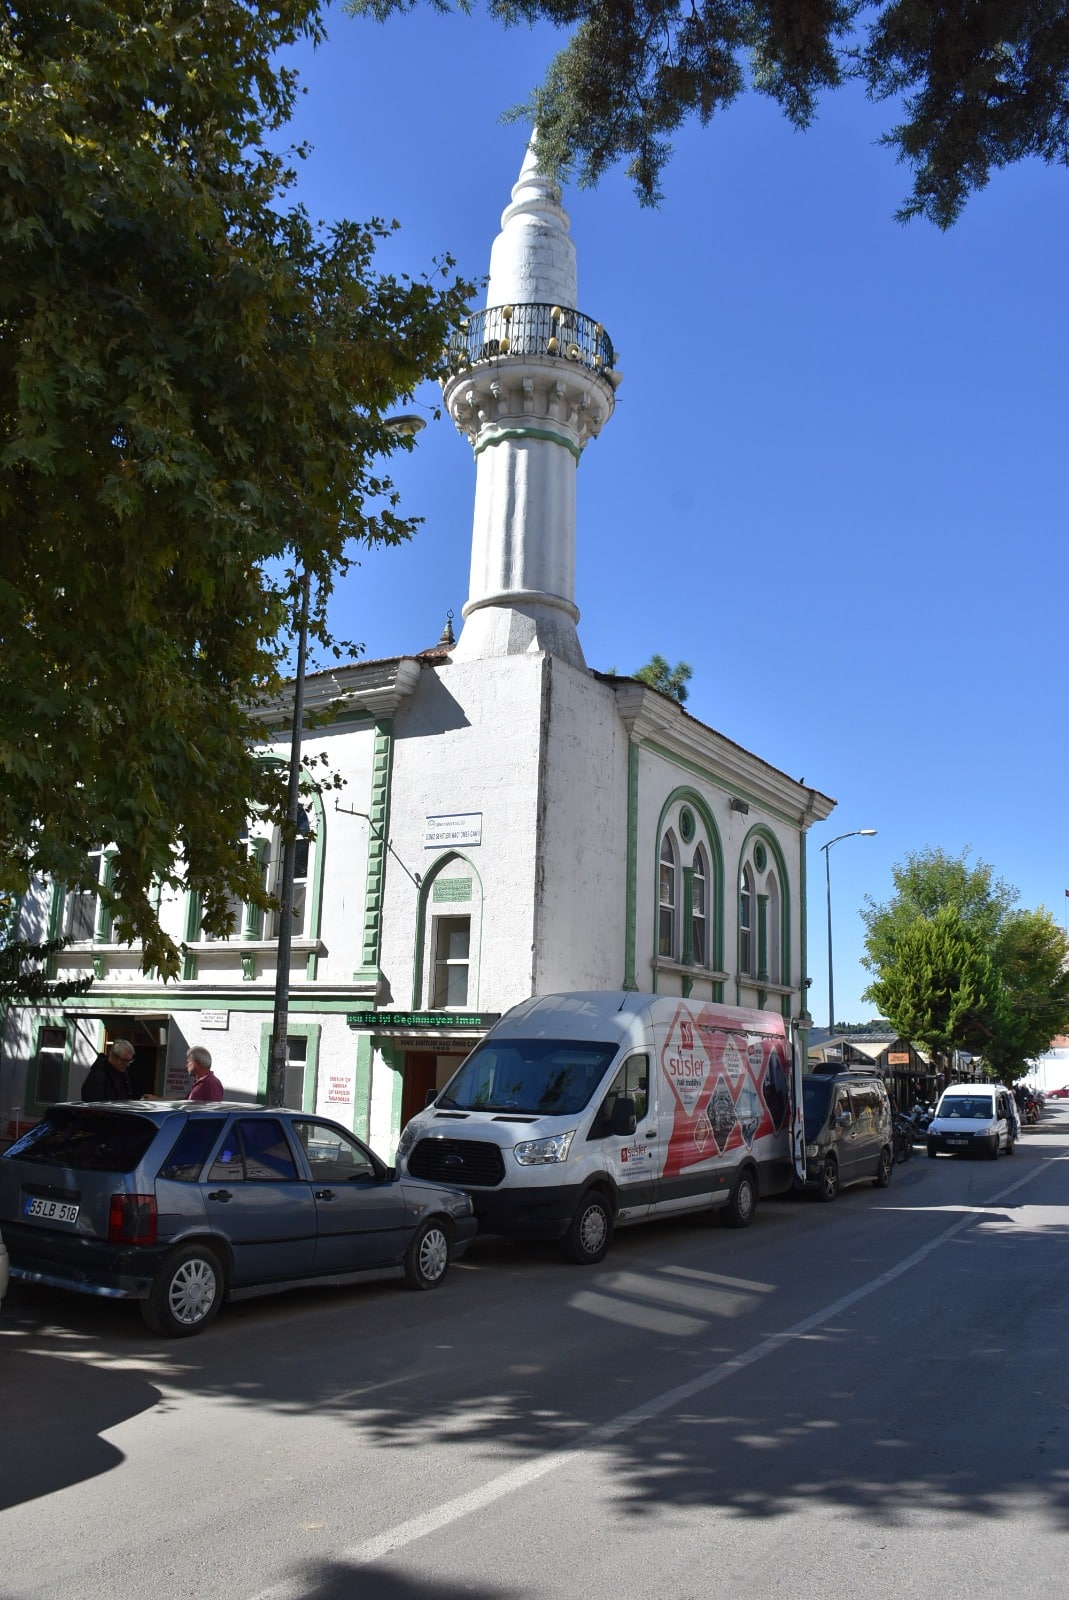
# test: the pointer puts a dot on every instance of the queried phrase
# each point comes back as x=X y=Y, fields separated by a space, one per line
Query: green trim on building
x=762 y=831
x=362 y=1085
x=378 y=834
x=631 y=867
x=501 y=435
x=715 y=883
x=294 y=1030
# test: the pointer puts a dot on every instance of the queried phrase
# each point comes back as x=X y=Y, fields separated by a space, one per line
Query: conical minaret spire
x=531 y=381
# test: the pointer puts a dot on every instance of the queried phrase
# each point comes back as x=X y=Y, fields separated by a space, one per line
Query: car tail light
x=132 y=1219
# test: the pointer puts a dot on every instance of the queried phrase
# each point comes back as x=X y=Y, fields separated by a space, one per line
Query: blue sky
x=837 y=479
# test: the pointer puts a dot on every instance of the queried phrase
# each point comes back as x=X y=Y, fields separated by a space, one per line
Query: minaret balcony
x=504 y=332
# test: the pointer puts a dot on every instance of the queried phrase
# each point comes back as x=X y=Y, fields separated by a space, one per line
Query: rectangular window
x=666 y=917
x=452 y=941
x=80 y=910
x=697 y=919
x=296 y=1064
x=51 y=1081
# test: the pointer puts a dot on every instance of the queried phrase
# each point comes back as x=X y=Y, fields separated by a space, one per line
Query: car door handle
x=324 y=1194
x=650 y=1133
x=219 y=1194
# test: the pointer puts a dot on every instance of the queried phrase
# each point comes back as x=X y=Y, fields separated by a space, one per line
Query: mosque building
x=511 y=821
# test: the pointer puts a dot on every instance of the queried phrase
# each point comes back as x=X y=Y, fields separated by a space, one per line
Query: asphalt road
x=851 y=1399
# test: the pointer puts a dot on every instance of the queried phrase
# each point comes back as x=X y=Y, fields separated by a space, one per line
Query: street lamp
x=402 y=427
x=855 y=833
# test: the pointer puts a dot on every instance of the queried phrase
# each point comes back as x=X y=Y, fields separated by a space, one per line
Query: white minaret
x=531 y=381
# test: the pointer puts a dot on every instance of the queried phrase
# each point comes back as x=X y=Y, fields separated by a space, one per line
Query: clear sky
x=837 y=479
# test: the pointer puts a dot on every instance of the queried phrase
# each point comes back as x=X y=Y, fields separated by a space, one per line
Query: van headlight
x=543 y=1152
x=409 y=1135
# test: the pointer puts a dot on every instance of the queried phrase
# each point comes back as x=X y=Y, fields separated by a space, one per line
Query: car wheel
x=829 y=1179
x=427 y=1256
x=1010 y=1145
x=883 y=1169
x=589 y=1232
x=186 y=1294
x=742 y=1203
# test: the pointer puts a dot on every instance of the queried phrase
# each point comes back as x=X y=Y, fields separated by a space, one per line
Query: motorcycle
x=902 y=1134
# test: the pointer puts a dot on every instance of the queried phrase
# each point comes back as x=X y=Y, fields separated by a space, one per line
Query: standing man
x=206 y=1085
x=107 y=1078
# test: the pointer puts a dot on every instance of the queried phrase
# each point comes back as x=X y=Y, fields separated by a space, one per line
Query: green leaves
x=957 y=967
x=193 y=381
x=983 y=83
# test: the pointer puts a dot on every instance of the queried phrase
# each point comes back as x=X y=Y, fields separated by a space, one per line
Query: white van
x=581 y=1111
x=973 y=1119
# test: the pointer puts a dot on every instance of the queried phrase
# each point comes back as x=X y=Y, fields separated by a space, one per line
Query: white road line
x=464 y=1505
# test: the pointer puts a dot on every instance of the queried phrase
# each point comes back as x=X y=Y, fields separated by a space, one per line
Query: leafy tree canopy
x=978 y=84
x=669 y=680
x=942 y=990
x=194 y=381
x=963 y=967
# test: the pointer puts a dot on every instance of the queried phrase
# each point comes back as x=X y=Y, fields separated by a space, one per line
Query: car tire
x=829 y=1179
x=742 y=1202
x=590 y=1231
x=884 y=1168
x=992 y=1154
x=186 y=1293
x=428 y=1255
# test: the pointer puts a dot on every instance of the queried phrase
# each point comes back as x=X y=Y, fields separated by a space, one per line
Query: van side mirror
x=624 y=1121
x=432 y=1095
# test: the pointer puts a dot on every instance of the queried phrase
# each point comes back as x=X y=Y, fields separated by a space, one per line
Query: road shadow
x=54 y=1445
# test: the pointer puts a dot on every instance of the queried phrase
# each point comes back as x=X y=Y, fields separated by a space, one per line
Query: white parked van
x=973 y=1119
x=581 y=1111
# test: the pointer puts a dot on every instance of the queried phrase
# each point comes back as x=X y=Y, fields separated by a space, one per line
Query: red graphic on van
x=729 y=1088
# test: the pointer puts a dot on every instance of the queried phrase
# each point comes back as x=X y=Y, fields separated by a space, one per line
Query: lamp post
x=401 y=427
x=855 y=833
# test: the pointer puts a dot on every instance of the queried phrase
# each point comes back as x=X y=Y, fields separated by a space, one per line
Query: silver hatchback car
x=183 y=1206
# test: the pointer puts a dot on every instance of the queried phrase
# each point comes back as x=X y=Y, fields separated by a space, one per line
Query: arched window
x=746 y=922
x=699 y=920
x=667 y=899
x=302 y=857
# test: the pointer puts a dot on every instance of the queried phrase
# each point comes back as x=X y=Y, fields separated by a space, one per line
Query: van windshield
x=978 y=1106
x=543 y=1077
x=816 y=1094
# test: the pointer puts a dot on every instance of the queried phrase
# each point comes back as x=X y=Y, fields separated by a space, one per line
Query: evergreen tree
x=669 y=680
x=975 y=84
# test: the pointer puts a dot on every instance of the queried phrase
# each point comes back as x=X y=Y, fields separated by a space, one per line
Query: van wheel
x=829 y=1179
x=742 y=1203
x=186 y=1293
x=589 y=1232
x=883 y=1170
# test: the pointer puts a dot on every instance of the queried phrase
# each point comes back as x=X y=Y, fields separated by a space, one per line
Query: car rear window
x=86 y=1141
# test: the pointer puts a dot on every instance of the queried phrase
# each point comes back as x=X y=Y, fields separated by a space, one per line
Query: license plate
x=958 y=1143
x=51 y=1210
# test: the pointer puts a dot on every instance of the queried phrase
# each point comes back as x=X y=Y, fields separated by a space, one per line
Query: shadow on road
x=53 y=1412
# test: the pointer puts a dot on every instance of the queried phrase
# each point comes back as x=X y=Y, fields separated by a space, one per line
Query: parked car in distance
x=1057 y=1094
x=3 y=1271
x=182 y=1206
x=973 y=1119
x=848 y=1132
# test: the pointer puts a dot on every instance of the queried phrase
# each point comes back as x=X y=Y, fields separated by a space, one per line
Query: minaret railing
x=500 y=332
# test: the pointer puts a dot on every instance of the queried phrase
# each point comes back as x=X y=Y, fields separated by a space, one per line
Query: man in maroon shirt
x=206 y=1085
